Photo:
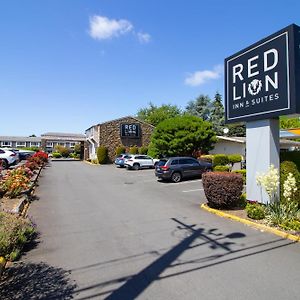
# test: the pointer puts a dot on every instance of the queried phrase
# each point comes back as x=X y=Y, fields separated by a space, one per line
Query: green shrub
x=278 y=213
x=64 y=151
x=102 y=155
x=33 y=148
x=56 y=155
x=293 y=156
x=287 y=167
x=220 y=160
x=222 y=189
x=234 y=158
x=291 y=225
x=243 y=201
x=74 y=155
x=221 y=169
x=255 y=211
x=15 y=232
x=243 y=172
x=143 y=150
x=120 y=150
x=134 y=150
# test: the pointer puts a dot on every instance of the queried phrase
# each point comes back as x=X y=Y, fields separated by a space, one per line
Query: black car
x=177 y=168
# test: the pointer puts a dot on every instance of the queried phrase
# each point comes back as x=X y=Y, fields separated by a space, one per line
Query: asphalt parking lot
x=109 y=233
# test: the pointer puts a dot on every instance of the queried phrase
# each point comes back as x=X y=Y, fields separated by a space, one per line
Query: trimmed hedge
x=243 y=172
x=234 y=158
x=102 y=155
x=221 y=169
x=56 y=155
x=120 y=150
x=293 y=156
x=222 y=189
x=220 y=160
x=287 y=167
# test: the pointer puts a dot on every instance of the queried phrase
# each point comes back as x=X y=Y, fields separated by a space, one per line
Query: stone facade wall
x=110 y=137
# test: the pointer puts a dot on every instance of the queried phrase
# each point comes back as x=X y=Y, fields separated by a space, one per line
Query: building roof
x=19 y=139
x=59 y=136
x=242 y=140
x=120 y=119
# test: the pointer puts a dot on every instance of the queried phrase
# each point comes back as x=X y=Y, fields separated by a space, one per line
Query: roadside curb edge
x=262 y=227
x=89 y=163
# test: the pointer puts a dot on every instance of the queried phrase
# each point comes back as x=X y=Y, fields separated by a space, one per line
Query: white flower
x=269 y=181
x=289 y=187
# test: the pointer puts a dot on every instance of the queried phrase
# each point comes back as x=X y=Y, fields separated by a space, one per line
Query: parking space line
x=182 y=182
x=196 y=190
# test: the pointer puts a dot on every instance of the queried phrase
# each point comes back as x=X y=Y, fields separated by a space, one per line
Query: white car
x=139 y=161
x=8 y=158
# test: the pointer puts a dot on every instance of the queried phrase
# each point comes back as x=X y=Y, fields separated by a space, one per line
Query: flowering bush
x=13 y=185
x=42 y=156
x=289 y=187
x=14 y=233
x=270 y=182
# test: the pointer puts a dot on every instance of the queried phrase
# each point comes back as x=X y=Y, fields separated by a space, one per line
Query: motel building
x=127 y=132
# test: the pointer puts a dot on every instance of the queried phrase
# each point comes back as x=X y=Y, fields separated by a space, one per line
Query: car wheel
x=176 y=177
x=4 y=164
x=136 y=167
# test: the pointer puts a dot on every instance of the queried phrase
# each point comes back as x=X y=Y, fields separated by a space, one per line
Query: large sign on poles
x=261 y=80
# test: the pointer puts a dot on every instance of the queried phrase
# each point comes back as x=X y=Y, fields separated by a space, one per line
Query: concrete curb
x=89 y=163
x=262 y=227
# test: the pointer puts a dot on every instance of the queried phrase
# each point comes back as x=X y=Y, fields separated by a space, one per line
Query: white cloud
x=144 y=38
x=201 y=77
x=102 y=28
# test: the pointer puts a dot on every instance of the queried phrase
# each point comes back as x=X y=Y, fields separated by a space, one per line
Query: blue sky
x=68 y=64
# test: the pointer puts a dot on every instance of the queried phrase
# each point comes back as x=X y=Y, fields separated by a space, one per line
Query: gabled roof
x=63 y=136
x=120 y=119
x=19 y=139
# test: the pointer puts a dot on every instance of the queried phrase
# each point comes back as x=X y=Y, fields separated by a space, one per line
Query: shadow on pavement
x=134 y=285
x=35 y=281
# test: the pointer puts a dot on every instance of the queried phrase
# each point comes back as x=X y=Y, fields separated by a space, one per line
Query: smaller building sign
x=261 y=80
x=130 y=130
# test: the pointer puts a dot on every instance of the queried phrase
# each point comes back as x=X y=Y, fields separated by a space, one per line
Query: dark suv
x=176 y=168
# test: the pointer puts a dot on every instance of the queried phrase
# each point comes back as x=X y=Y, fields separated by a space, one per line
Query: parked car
x=8 y=158
x=22 y=154
x=139 y=161
x=120 y=160
x=177 y=168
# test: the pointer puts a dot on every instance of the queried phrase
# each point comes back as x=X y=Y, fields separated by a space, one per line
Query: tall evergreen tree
x=200 y=107
x=217 y=114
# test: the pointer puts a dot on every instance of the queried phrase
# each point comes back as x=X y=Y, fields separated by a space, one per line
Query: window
x=21 y=144
x=6 y=144
x=72 y=144
x=174 y=162
x=186 y=161
x=34 y=144
x=61 y=144
x=49 y=144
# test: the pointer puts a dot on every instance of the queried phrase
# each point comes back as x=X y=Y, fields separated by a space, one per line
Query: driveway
x=108 y=233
